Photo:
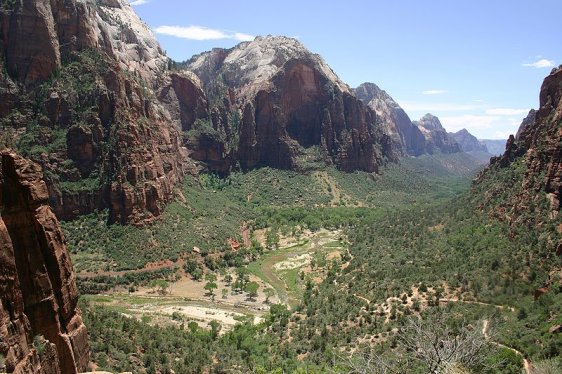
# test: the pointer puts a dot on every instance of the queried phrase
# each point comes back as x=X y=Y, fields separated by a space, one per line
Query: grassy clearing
x=295 y=259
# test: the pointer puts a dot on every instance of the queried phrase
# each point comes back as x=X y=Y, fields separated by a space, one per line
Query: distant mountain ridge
x=437 y=138
x=403 y=132
x=415 y=137
x=494 y=146
x=468 y=142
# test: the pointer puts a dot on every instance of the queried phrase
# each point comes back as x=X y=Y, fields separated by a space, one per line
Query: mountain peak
x=368 y=91
x=468 y=142
x=436 y=137
x=430 y=122
x=255 y=63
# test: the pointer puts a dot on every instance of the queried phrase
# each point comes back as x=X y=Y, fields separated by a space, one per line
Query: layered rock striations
x=41 y=329
x=95 y=126
x=280 y=103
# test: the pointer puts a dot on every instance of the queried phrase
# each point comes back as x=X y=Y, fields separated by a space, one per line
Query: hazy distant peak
x=468 y=142
x=430 y=122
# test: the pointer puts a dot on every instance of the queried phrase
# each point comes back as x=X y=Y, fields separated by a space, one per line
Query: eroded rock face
x=436 y=138
x=36 y=34
x=183 y=95
x=37 y=283
x=400 y=127
x=539 y=145
x=543 y=143
x=527 y=121
x=121 y=148
x=288 y=101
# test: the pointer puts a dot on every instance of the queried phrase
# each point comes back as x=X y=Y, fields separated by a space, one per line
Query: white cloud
x=468 y=121
x=506 y=112
x=138 y=2
x=434 y=92
x=542 y=63
x=201 y=33
x=243 y=37
x=439 y=107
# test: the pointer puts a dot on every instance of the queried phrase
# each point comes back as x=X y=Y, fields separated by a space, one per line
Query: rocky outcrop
x=37 y=34
x=525 y=124
x=436 y=138
x=401 y=129
x=468 y=142
x=103 y=138
x=538 y=147
x=41 y=329
x=288 y=100
x=183 y=95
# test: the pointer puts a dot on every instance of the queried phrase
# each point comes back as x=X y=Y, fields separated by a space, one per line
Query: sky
x=475 y=64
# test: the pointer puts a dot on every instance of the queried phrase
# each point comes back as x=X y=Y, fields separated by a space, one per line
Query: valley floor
x=341 y=265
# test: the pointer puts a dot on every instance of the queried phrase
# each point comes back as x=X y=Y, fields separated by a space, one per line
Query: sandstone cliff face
x=287 y=101
x=538 y=150
x=100 y=134
x=468 y=142
x=41 y=329
x=403 y=132
x=436 y=138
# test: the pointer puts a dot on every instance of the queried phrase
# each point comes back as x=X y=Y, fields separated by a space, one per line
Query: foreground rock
x=41 y=329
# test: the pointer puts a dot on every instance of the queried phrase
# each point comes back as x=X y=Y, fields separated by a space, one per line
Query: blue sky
x=475 y=64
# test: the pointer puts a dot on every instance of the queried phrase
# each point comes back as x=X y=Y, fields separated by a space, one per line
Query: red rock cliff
x=538 y=146
x=41 y=329
x=289 y=106
x=101 y=136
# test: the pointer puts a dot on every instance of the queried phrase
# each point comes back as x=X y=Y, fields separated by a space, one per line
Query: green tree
x=272 y=239
x=252 y=290
x=192 y=326
x=197 y=274
x=215 y=328
x=210 y=277
x=210 y=287
x=269 y=292
x=162 y=285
